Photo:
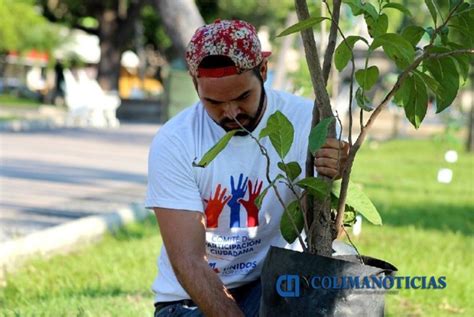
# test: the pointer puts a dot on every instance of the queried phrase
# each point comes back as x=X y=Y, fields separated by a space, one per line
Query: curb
x=65 y=237
x=30 y=125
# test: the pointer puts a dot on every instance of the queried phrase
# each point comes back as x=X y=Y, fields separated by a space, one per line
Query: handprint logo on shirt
x=237 y=193
x=214 y=206
x=249 y=204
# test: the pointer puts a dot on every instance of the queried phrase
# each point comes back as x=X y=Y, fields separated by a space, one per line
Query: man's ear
x=264 y=69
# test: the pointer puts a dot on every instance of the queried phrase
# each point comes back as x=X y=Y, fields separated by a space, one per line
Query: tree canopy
x=22 y=27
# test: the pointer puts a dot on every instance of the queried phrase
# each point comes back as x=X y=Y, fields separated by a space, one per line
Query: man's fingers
x=333 y=143
x=326 y=171
x=336 y=144
x=326 y=162
x=329 y=153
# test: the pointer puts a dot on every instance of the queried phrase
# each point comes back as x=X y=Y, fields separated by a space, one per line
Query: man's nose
x=231 y=110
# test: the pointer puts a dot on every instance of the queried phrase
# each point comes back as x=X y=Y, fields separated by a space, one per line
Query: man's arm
x=183 y=234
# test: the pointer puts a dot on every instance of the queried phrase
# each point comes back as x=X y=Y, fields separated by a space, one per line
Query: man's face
x=235 y=96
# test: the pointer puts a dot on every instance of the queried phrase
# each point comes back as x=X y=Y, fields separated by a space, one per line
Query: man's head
x=228 y=70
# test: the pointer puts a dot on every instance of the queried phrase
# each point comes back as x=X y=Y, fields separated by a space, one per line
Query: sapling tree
x=429 y=61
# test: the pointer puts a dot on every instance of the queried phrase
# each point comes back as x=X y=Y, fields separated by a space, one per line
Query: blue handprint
x=237 y=193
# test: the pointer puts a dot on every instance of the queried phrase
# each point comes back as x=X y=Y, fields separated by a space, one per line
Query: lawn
x=15 y=102
x=428 y=230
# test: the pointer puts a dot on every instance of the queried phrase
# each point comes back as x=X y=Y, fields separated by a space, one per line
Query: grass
x=111 y=278
x=428 y=226
x=15 y=102
x=9 y=118
x=428 y=230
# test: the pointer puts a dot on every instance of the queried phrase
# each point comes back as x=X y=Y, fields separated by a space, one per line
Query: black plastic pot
x=287 y=288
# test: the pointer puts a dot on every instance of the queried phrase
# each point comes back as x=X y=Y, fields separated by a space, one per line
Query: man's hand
x=331 y=159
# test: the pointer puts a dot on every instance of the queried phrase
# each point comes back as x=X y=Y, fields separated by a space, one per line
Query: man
x=215 y=237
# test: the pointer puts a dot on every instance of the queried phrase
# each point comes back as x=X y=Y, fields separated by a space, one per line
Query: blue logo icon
x=288 y=285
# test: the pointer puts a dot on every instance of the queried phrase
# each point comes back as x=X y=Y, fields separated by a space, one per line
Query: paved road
x=48 y=178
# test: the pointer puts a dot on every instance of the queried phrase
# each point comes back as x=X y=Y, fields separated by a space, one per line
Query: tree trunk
x=116 y=30
x=110 y=52
x=180 y=18
x=321 y=232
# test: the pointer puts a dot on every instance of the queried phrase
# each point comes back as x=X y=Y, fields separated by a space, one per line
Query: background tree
x=263 y=12
x=115 y=22
x=180 y=19
x=115 y=28
x=16 y=32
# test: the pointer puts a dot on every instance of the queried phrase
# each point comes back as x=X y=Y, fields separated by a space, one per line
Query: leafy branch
x=264 y=152
x=365 y=128
x=320 y=82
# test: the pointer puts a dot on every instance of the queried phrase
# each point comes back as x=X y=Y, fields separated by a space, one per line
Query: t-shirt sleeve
x=171 y=182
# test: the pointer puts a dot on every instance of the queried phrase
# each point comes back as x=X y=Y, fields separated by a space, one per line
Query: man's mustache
x=240 y=117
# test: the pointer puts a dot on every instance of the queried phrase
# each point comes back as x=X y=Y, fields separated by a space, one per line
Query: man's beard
x=253 y=121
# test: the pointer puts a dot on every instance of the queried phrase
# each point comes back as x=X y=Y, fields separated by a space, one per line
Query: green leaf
x=402 y=95
x=430 y=31
x=416 y=103
x=355 y=5
x=292 y=169
x=367 y=77
x=349 y=217
x=343 y=52
x=462 y=60
x=362 y=100
x=370 y=10
x=358 y=8
x=291 y=217
x=302 y=25
x=413 y=34
x=465 y=23
x=359 y=202
x=216 y=149
x=399 y=7
x=454 y=3
x=444 y=32
x=432 y=9
x=318 y=134
x=377 y=27
x=463 y=8
x=280 y=131
x=261 y=196
x=430 y=82
x=396 y=47
x=445 y=72
x=315 y=186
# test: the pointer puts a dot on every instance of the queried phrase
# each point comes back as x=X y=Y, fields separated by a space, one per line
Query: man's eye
x=243 y=97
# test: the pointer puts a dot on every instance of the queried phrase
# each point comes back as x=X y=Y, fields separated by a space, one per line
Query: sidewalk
x=51 y=177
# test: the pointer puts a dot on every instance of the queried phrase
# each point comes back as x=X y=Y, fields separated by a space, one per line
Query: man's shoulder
x=179 y=129
x=183 y=119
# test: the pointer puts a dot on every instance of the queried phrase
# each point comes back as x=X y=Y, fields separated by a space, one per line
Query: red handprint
x=252 y=209
x=214 y=206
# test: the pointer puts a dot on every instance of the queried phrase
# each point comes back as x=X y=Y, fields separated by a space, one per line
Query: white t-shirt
x=238 y=235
